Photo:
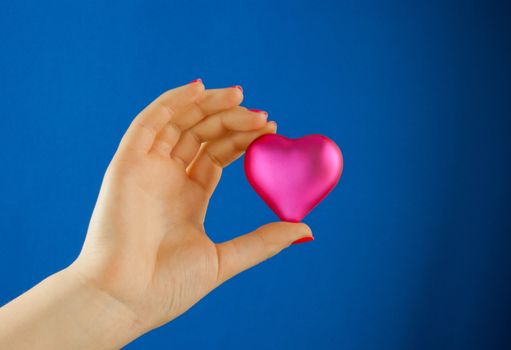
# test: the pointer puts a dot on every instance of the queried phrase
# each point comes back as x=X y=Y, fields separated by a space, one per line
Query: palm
x=146 y=243
x=173 y=206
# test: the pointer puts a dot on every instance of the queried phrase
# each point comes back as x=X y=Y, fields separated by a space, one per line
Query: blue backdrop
x=412 y=248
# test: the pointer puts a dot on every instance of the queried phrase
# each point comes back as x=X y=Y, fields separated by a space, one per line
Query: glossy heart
x=293 y=175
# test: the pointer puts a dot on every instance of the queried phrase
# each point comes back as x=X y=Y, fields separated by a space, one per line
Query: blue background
x=412 y=247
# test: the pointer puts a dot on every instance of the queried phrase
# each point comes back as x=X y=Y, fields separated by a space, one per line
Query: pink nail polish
x=237 y=87
x=199 y=80
x=303 y=240
x=257 y=111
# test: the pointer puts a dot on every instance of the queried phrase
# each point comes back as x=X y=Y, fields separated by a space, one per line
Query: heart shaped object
x=293 y=175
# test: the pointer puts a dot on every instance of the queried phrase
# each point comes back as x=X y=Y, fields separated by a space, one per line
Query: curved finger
x=210 y=102
x=145 y=127
x=216 y=126
x=206 y=168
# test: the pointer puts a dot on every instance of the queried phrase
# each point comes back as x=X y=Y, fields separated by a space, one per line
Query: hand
x=146 y=258
x=146 y=246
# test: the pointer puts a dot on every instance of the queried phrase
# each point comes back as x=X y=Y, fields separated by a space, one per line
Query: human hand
x=146 y=246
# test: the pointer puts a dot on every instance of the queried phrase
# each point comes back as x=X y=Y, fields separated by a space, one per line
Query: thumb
x=243 y=252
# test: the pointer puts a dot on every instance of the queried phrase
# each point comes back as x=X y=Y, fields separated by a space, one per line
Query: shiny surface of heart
x=293 y=175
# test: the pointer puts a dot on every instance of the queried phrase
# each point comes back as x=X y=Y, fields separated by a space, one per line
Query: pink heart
x=293 y=175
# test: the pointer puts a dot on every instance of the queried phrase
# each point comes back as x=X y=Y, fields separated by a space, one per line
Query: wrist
x=102 y=320
x=65 y=311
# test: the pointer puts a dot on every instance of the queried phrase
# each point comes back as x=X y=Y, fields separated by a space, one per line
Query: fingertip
x=232 y=98
x=239 y=87
x=273 y=126
x=302 y=233
x=238 y=95
x=298 y=228
x=194 y=81
x=238 y=90
x=268 y=128
x=289 y=233
x=197 y=86
x=260 y=116
x=234 y=95
x=260 y=120
x=302 y=227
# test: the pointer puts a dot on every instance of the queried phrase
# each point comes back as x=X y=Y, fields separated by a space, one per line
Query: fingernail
x=257 y=111
x=261 y=114
x=237 y=87
x=199 y=80
x=303 y=240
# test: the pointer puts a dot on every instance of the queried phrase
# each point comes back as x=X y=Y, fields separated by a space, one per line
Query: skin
x=147 y=258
